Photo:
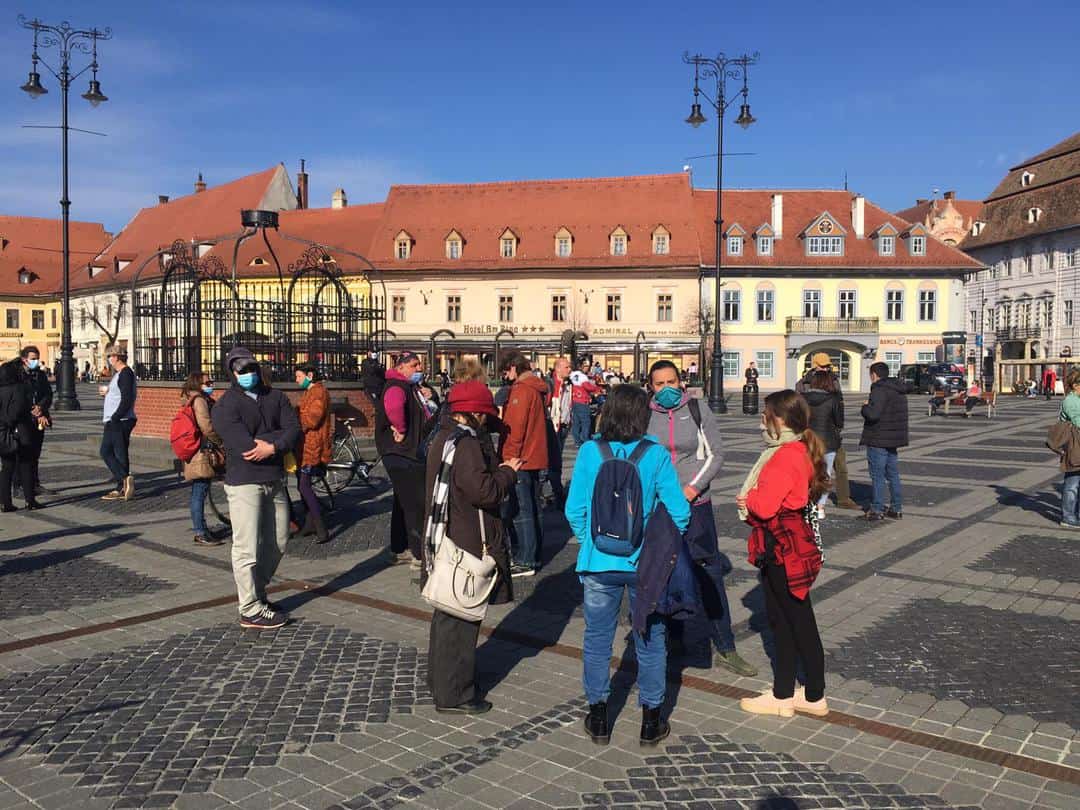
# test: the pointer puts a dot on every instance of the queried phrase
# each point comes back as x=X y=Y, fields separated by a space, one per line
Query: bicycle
x=348 y=464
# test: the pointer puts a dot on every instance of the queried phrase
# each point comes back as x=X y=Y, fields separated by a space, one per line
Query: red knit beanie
x=471 y=396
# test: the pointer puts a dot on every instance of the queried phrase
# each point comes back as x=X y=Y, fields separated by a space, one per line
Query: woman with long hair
x=197 y=394
x=316 y=445
x=778 y=500
x=465 y=485
x=690 y=433
x=605 y=574
x=826 y=420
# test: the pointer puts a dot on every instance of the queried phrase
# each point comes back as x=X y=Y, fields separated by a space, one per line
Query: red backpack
x=184 y=434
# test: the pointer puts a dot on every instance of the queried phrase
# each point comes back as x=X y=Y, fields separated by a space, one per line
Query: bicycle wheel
x=219 y=501
x=342 y=468
x=372 y=473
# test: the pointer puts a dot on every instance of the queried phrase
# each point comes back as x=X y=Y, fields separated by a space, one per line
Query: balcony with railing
x=1019 y=333
x=832 y=326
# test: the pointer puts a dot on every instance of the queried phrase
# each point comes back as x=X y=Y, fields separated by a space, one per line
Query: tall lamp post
x=721 y=69
x=67 y=40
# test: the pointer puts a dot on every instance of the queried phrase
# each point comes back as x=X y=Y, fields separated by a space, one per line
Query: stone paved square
x=1032 y=555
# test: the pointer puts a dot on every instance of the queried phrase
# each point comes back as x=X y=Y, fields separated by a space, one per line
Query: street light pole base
x=67 y=404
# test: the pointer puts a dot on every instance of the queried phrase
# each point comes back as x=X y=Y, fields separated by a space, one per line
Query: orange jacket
x=317 y=444
x=525 y=420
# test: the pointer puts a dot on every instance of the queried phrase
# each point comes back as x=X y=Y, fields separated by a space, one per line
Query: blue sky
x=943 y=95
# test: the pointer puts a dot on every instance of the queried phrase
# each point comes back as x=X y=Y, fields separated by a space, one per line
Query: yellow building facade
x=33 y=322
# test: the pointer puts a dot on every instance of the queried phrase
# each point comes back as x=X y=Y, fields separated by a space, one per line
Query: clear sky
x=905 y=98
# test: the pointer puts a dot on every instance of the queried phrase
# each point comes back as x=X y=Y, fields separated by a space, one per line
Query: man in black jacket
x=257 y=426
x=885 y=429
x=41 y=396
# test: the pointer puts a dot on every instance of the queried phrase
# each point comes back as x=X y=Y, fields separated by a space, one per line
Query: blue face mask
x=33 y=364
x=208 y=389
x=416 y=377
x=248 y=380
x=668 y=397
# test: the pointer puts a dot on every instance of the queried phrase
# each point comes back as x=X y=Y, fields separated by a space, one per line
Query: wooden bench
x=989 y=402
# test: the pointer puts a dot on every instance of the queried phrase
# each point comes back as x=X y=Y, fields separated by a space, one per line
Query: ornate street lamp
x=721 y=68
x=66 y=39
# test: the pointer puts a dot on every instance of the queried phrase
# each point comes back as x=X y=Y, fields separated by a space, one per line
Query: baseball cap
x=237 y=357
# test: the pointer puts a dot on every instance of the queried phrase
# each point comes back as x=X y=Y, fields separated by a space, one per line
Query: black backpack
x=618 y=521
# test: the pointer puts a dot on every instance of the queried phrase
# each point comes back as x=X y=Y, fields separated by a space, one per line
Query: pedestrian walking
x=257 y=425
x=41 y=397
x=197 y=397
x=1070 y=485
x=118 y=417
x=827 y=421
x=608 y=566
x=525 y=427
x=316 y=446
x=691 y=436
x=885 y=430
x=581 y=398
x=465 y=485
x=776 y=500
x=401 y=423
x=17 y=426
x=560 y=418
x=1049 y=382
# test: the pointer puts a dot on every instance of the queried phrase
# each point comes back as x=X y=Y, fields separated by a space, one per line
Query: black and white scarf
x=439 y=516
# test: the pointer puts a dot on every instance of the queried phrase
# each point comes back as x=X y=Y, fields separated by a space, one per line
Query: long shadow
x=45 y=537
x=354 y=576
x=39 y=562
x=1044 y=504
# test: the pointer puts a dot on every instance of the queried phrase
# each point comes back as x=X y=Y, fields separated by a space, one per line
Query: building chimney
x=199 y=184
x=858 y=215
x=950 y=195
x=778 y=215
x=162 y=199
x=301 y=187
x=921 y=201
x=339 y=200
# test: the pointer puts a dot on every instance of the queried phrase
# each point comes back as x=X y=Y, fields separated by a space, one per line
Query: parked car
x=920 y=378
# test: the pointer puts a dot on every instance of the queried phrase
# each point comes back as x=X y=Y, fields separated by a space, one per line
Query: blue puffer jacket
x=659 y=483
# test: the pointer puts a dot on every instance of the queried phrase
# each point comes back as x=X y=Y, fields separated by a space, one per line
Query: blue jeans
x=115 y=439
x=1070 y=498
x=199 y=490
x=580 y=423
x=603 y=597
x=526 y=528
x=884 y=466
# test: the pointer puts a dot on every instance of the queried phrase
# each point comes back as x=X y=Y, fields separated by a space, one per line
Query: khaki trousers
x=259 y=514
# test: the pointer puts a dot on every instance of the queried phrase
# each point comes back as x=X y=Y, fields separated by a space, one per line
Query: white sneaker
x=765 y=703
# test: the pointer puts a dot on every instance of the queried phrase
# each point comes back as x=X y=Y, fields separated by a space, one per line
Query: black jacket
x=417 y=419
x=15 y=401
x=885 y=415
x=826 y=416
x=240 y=420
x=40 y=391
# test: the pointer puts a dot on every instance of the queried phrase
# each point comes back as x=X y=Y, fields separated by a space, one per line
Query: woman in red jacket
x=777 y=500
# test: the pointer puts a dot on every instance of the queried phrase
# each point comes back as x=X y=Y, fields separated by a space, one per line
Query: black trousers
x=407 y=519
x=795 y=634
x=32 y=451
x=10 y=466
x=452 y=659
x=115 y=440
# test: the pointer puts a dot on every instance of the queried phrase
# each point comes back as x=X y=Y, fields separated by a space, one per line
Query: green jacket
x=1070 y=409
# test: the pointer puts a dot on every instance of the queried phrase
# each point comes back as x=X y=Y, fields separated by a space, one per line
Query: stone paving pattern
x=959 y=621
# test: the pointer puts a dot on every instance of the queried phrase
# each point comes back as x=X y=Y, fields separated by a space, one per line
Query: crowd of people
x=471 y=476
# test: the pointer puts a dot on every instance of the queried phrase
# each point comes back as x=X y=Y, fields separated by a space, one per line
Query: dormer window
x=403 y=245
x=917 y=245
x=661 y=241
x=564 y=243
x=1026 y=179
x=764 y=245
x=508 y=244
x=825 y=246
x=25 y=276
x=453 y=245
x=977 y=227
x=95 y=270
x=886 y=245
x=734 y=246
x=1034 y=215
x=618 y=242
x=258 y=261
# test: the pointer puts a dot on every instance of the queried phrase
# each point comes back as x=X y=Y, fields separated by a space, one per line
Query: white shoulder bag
x=459 y=583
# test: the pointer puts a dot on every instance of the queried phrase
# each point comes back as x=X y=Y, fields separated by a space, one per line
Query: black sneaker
x=890 y=513
x=206 y=540
x=522 y=570
x=872 y=516
x=264 y=619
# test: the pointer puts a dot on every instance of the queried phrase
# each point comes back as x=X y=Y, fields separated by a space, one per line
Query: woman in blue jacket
x=624 y=424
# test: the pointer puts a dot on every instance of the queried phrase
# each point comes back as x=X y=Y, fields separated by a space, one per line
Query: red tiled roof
x=968 y=209
x=206 y=215
x=801 y=207
x=35 y=244
x=535 y=210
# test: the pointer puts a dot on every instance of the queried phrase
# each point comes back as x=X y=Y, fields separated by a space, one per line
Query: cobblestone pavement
x=951 y=637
